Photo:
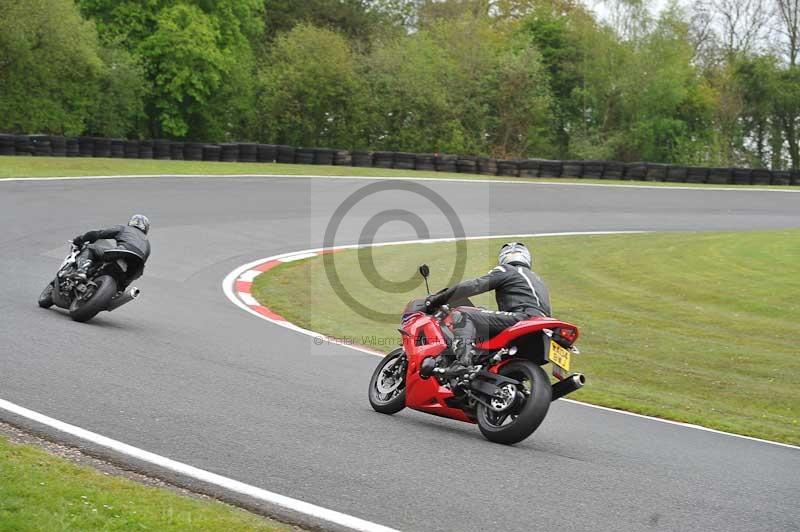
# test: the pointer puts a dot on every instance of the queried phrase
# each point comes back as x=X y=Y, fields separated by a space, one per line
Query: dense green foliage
x=535 y=78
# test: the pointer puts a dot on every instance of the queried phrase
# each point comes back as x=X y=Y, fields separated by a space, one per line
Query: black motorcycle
x=104 y=288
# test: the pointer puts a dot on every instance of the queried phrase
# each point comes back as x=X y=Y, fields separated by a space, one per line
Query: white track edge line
x=202 y=475
x=735 y=188
x=682 y=424
x=229 y=282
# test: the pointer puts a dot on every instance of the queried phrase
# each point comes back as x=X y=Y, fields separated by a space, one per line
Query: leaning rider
x=519 y=292
x=131 y=237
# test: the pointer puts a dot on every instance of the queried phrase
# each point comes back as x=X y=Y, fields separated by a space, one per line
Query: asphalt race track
x=186 y=374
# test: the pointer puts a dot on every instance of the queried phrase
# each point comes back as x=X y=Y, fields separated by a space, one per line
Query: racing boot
x=463 y=351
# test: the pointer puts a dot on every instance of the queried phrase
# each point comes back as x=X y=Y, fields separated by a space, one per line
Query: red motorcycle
x=506 y=391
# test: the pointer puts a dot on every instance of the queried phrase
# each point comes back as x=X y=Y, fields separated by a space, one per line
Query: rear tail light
x=569 y=334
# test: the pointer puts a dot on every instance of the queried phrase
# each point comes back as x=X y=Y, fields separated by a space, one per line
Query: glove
x=433 y=302
x=77 y=241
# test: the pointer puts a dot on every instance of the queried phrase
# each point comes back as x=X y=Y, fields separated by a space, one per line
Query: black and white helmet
x=514 y=253
x=140 y=221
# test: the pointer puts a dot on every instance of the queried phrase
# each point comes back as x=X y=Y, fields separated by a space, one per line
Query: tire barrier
x=192 y=151
x=508 y=168
x=267 y=153
x=572 y=169
x=549 y=169
x=211 y=152
x=248 y=153
x=425 y=161
x=285 y=154
x=446 y=163
x=176 y=151
x=324 y=156
x=86 y=146
x=161 y=149
x=131 y=149
x=593 y=169
x=696 y=174
x=527 y=168
x=676 y=174
x=383 y=159
x=487 y=166
x=467 y=165
x=102 y=147
x=404 y=161
x=781 y=177
x=362 y=159
x=229 y=153
x=7 y=144
x=342 y=158
x=656 y=172
x=117 y=148
x=146 y=149
x=304 y=156
x=41 y=145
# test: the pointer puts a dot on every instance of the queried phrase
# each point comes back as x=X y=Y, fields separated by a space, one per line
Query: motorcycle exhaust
x=126 y=297
x=568 y=385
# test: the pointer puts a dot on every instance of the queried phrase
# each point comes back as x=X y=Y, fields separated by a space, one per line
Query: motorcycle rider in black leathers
x=131 y=237
x=519 y=292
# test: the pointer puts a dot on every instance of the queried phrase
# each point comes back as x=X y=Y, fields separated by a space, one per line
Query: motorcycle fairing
x=522 y=328
x=427 y=395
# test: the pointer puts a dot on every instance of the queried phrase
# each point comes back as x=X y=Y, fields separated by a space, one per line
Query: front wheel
x=85 y=309
x=525 y=412
x=387 y=387
x=46 y=297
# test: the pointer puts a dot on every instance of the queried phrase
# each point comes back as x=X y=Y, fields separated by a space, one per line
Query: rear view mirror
x=424 y=270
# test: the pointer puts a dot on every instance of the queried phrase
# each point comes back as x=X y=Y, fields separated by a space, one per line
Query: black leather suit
x=128 y=238
x=519 y=292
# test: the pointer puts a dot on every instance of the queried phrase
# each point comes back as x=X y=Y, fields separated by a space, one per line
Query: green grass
x=82 y=166
x=41 y=492
x=695 y=327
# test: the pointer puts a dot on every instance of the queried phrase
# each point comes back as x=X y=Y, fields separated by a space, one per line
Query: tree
x=787 y=110
x=186 y=67
x=197 y=56
x=308 y=98
x=788 y=15
x=739 y=23
x=355 y=18
x=558 y=31
x=49 y=65
x=409 y=101
x=117 y=110
x=522 y=106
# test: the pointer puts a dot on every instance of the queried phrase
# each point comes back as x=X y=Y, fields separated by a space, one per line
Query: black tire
x=529 y=416
x=83 y=311
x=390 y=403
x=46 y=297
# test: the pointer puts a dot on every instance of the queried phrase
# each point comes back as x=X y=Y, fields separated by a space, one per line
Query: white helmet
x=141 y=222
x=514 y=253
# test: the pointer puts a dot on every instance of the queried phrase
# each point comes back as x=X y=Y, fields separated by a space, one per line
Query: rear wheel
x=46 y=297
x=85 y=309
x=387 y=387
x=527 y=407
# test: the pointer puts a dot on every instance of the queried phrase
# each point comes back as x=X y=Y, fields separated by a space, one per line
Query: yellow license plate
x=559 y=355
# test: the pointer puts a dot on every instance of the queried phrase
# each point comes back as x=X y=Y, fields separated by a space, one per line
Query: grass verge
x=694 y=327
x=39 y=491
x=14 y=166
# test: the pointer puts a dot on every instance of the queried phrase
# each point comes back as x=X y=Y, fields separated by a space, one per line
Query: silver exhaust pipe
x=125 y=297
x=568 y=385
